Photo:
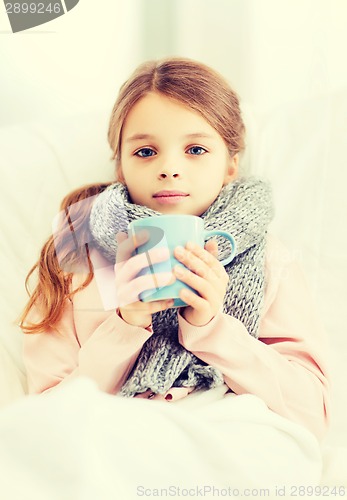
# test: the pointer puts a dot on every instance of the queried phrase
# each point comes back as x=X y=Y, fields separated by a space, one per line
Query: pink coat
x=286 y=367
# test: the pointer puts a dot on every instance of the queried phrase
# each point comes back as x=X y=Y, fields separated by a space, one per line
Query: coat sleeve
x=287 y=366
x=87 y=341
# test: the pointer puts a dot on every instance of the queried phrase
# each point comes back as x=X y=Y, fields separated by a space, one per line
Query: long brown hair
x=186 y=81
x=60 y=255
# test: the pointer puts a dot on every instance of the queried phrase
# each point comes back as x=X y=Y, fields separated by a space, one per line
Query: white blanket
x=77 y=443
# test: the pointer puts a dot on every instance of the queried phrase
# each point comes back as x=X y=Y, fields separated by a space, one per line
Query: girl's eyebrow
x=149 y=137
x=140 y=137
x=199 y=135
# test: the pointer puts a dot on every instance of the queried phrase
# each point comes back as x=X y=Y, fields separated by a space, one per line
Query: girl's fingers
x=129 y=292
x=203 y=254
x=129 y=264
x=195 y=281
x=121 y=237
x=148 y=307
x=127 y=246
x=128 y=270
x=159 y=305
x=151 y=282
x=211 y=246
x=193 y=300
x=199 y=261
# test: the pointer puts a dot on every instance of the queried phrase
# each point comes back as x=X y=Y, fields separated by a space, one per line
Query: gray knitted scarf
x=244 y=208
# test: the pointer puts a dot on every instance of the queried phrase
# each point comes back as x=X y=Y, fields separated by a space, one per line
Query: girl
x=176 y=133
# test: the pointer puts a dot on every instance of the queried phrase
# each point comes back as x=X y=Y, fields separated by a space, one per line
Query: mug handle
x=229 y=237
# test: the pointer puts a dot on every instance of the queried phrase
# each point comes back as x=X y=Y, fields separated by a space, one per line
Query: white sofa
x=300 y=149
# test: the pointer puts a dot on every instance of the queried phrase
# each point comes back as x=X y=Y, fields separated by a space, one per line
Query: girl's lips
x=170 y=200
x=170 y=197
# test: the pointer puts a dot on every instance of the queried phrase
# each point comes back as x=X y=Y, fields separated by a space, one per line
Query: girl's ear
x=232 y=169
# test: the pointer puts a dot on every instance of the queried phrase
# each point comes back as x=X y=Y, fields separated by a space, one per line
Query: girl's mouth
x=170 y=197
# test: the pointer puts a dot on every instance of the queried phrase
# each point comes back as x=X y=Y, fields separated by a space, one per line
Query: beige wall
x=273 y=52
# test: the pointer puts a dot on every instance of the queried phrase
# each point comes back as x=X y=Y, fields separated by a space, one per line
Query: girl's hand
x=207 y=276
x=129 y=286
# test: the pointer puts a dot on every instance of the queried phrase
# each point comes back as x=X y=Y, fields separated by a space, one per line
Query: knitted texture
x=243 y=208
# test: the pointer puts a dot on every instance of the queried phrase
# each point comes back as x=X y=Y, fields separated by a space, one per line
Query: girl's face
x=172 y=160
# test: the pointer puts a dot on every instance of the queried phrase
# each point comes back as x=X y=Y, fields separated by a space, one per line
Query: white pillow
x=40 y=164
x=12 y=380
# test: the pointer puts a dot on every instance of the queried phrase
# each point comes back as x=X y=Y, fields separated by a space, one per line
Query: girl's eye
x=197 y=150
x=145 y=152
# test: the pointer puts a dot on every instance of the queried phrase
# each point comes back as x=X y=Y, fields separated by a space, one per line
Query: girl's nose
x=164 y=174
x=167 y=166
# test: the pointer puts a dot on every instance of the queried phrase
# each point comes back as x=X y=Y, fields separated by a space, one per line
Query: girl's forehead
x=154 y=102
x=157 y=113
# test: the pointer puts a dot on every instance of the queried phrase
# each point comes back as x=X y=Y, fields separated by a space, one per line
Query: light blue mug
x=171 y=231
